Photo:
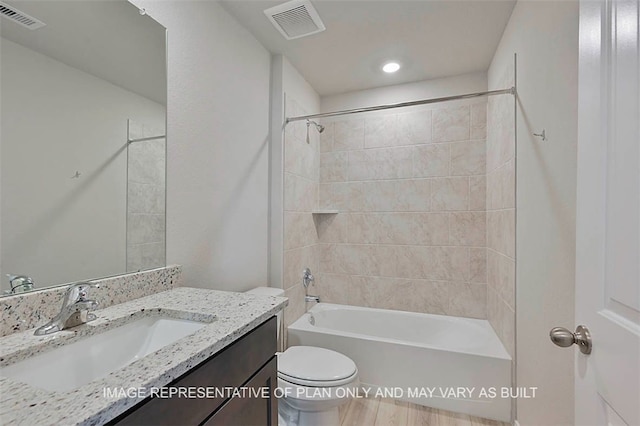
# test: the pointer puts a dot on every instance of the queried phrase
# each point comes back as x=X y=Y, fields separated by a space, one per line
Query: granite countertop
x=228 y=315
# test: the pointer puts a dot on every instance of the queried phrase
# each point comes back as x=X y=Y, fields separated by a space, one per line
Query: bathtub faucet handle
x=307 y=278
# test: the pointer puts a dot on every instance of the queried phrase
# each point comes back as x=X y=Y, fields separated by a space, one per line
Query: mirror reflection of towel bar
x=147 y=139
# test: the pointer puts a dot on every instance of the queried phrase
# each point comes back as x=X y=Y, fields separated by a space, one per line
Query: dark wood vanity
x=249 y=362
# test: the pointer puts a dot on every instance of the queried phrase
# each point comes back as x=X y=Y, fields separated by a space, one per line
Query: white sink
x=75 y=364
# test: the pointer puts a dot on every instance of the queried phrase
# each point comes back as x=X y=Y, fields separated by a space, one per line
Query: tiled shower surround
x=501 y=214
x=301 y=179
x=409 y=186
x=145 y=197
x=425 y=201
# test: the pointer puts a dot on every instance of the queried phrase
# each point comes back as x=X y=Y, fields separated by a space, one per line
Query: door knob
x=564 y=338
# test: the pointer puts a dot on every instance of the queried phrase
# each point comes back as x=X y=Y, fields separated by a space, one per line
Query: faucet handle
x=307 y=277
x=77 y=292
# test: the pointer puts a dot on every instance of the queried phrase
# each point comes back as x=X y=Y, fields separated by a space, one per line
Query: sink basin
x=70 y=366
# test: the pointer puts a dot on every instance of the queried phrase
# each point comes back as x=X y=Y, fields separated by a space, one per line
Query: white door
x=608 y=214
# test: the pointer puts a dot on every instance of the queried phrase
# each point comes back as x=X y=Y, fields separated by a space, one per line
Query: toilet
x=313 y=382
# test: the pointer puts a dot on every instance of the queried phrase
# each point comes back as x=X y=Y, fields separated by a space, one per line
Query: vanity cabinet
x=249 y=363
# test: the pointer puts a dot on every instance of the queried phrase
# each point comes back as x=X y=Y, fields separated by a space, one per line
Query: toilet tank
x=275 y=292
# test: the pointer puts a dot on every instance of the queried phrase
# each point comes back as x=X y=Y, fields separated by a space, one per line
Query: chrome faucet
x=19 y=284
x=308 y=279
x=75 y=309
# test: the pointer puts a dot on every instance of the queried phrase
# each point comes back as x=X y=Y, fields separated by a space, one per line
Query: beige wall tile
x=450 y=194
x=493 y=312
x=416 y=193
x=384 y=258
x=502 y=319
x=501 y=276
x=413 y=228
x=364 y=228
x=333 y=166
x=343 y=196
x=380 y=131
x=431 y=160
x=396 y=195
x=508 y=329
x=478 y=193
x=302 y=158
x=451 y=124
x=300 y=193
x=478 y=265
x=382 y=163
x=433 y=263
x=508 y=184
x=501 y=231
x=468 y=158
x=468 y=229
x=501 y=187
x=326 y=137
x=335 y=288
x=299 y=230
x=348 y=134
x=500 y=132
x=479 y=121
x=351 y=259
x=296 y=307
x=414 y=127
x=468 y=300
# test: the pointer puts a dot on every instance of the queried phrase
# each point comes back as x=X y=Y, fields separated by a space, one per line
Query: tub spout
x=312 y=299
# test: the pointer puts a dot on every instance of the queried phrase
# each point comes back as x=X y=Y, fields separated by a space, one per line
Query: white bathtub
x=402 y=352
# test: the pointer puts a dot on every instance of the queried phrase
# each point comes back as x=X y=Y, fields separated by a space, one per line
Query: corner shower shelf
x=325 y=211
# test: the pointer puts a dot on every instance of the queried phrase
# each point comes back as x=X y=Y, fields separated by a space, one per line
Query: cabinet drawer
x=231 y=367
x=252 y=411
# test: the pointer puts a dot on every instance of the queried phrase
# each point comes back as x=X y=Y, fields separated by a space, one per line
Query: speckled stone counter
x=229 y=316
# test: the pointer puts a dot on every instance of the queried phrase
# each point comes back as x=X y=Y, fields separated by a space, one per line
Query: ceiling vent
x=18 y=17
x=295 y=19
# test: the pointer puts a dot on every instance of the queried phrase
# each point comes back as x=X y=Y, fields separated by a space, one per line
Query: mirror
x=82 y=141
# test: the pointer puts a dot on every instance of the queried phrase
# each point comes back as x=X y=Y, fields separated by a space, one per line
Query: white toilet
x=313 y=382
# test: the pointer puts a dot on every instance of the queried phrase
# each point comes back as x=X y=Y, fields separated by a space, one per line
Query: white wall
x=545 y=37
x=449 y=86
x=217 y=143
x=57 y=120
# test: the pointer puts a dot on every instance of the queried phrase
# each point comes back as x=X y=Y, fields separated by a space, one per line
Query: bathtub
x=420 y=358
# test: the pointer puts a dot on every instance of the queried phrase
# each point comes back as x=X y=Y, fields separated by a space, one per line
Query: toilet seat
x=315 y=367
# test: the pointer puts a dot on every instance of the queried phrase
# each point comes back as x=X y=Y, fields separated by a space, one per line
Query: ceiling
x=106 y=38
x=430 y=39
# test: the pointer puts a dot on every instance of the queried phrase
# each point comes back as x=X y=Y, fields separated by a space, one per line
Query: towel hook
x=542 y=135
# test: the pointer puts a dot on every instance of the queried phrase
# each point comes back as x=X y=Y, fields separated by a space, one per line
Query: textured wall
x=409 y=186
x=544 y=35
x=217 y=145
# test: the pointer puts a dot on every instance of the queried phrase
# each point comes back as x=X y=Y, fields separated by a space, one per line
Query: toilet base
x=289 y=416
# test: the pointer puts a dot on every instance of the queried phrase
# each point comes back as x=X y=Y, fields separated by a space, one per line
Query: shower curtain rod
x=147 y=139
x=511 y=91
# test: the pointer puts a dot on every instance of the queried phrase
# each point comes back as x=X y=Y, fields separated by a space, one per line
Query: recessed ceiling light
x=390 y=67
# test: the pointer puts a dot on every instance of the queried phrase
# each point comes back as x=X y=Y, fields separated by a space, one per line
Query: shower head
x=319 y=127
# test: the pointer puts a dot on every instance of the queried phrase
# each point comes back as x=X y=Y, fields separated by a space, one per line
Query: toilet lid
x=305 y=365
